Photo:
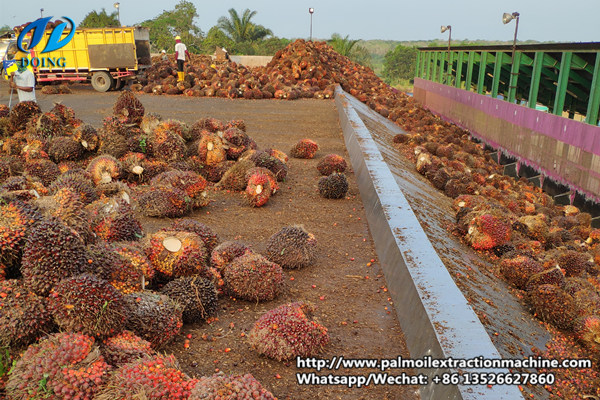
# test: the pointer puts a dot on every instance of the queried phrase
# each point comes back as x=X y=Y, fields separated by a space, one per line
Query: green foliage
x=216 y=37
x=242 y=29
x=399 y=64
x=169 y=24
x=95 y=19
x=350 y=49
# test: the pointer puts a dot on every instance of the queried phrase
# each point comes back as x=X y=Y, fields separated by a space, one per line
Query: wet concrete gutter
x=436 y=319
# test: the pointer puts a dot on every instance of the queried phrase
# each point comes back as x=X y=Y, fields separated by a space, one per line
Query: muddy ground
x=346 y=283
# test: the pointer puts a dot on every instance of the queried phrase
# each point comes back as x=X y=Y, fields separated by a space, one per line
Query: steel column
x=418 y=66
x=482 y=68
x=594 y=101
x=514 y=77
x=470 y=70
x=562 y=83
x=496 y=77
x=459 y=65
x=429 y=62
x=435 y=67
x=442 y=67
x=536 y=74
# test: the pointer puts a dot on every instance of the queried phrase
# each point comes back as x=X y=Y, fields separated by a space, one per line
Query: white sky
x=547 y=20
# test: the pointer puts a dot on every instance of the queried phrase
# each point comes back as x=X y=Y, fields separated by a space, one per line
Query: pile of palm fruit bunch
x=76 y=260
x=56 y=89
x=300 y=70
x=548 y=252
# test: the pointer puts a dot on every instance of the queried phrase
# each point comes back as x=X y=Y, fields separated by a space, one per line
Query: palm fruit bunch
x=87 y=136
x=174 y=254
x=252 y=277
x=45 y=170
x=574 y=263
x=66 y=114
x=103 y=169
x=305 y=148
x=334 y=186
x=554 y=305
x=274 y=164
x=278 y=154
x=587 y=331
x=192 y=184
x=292 y=247
x=551 y=276
x=116 y=189
x=68 y=209
x=24 y=316
x=206 y=233
x=197 y=296
x=258 y=191
x=270 y=176
x=166 y=145
x=153 y=317
x=519 y=269
x=113 y=219
x=21 y=114
x=287 y=332
x=52 y=252
x=17 y=220
x=212 y=173
x=87 y=304
x=535 y=227
x=4 y=111
x=236 y=142
x=211 y=149
x=133 y=166
x=235 y=177
x=128 y=108
x=78 y=182
x=44 y=126
x=155 y=377
x=124 y=348
x=232 y=387
x=64 y=366
x=149 y=122
x=210 y=124
x=164 y=202
x=179 y=128
x=488 y=229
x=587 y=301
x=331 y=163
x=226 y=252
x=123 y=265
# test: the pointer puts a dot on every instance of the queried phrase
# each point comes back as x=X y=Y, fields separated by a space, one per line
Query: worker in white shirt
x=24 y=81
x=180 y=53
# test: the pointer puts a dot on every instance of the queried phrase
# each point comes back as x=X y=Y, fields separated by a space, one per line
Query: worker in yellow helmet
x=180 y=53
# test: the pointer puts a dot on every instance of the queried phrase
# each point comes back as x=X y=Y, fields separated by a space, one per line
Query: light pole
x=449 y=29
x=506 y=18
x=41 y=13
x=117 y=5
x=311 y=11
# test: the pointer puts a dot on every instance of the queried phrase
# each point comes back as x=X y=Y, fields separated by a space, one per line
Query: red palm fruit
x=45 y=126
x=587 y=331
x=64 y=365
x=124 y=348
x=287 y=332
x=206 y=233
x=21 y=114
x=487 y=230
x=553 y=305
x=305 y=148
x=166 y=145
x=192 y=184
x=270 y=175
x=292 y=247
x=104 y=169
x=174 y=254
x=87 y=136
x=258 y=190
x=278 y=154
x=235 y=177
x=517 y=270
x=113 y=219
x=230 y=387
x=211 y=149
x=196 y=295
x=334 y=186
x=87 y=304
x=252 y=277
x=45 y=170
x=224 y=253
x=164 y=202
x=236 y=142
x=128 y=109
x=331 y=163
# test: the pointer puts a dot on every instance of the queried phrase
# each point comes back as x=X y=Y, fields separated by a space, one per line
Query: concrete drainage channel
x=435 y=316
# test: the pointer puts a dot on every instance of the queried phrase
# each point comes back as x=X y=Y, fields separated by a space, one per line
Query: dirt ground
x=346 y=283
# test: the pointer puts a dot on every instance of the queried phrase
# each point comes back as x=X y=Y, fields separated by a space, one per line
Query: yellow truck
x=107 y=57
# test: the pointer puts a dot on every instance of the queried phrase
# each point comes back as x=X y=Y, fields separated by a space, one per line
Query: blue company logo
x=54 y=42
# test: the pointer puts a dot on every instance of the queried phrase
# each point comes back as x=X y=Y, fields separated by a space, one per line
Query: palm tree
x=242 y=29
x=102 y=19
x=343 y=46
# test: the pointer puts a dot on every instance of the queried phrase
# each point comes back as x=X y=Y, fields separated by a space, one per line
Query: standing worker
x=24 y=81
x=180 y=53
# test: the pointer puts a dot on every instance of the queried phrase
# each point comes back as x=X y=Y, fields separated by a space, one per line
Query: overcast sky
x=543 y=20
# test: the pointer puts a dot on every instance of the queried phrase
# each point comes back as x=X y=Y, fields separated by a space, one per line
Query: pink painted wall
x=564 y=150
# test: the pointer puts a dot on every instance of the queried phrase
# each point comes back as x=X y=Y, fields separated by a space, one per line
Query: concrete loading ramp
x=408 y=219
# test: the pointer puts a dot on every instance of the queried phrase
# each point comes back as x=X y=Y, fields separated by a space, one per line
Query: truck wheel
x=102 y=81
x=118 y=84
